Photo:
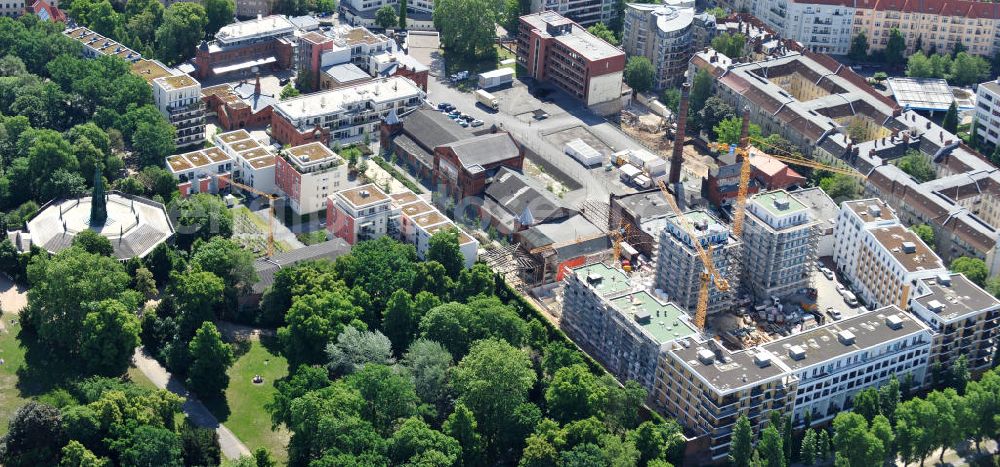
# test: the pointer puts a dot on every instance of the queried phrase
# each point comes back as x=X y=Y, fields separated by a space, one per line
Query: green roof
x=767 y=201
x=664 y=321
x=613 y=280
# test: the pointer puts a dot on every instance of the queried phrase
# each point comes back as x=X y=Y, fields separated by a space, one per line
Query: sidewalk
x=232 y=447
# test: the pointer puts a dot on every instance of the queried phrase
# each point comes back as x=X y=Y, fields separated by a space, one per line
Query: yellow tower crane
x=710 y=274
x=270 y=211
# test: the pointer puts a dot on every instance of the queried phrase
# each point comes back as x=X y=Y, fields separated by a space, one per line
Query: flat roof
x=822 y=207
x=611 y=280
x=415 y=208
x=734 y=371
x=771 y=201
x=922 y=93
x=956 y=297
x=346 y=73
x=215 y=154
x=577 y=40
x=262 y=162
x=363 y=195
x=150 y=70
x=101 y=44
x=361 y=35
x=868 y=208
x=195 y=159
x=337 y=100
x=665 y=323
x=312 y=153
x=821 y=344
x=244 y=144
x=893 y=237
x=463 y=239
x=429 y=219
x=232 y=136
x=176 y=82
x=255 y=153
x=257 y=27
x=405 y=197
x=178 y=163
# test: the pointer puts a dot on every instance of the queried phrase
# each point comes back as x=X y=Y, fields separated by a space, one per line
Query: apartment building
x=663 y=34
x=307 y=174
x=824 y=27
x=813 y=101
x=818 y=372
x=937 y=24
x=202 y=171
x=553 y=48
x=419 y=13
x=96 y=45
x=584 y=12
x=253 y=8
x=343 y=115
x=779 y=244
x=366 y=213
x=179 y=98
x=679 y=267
x=988 y=112
x=255 y=162
x=853 y=219
x=962 y=317
x=239 y=47
x=618 y=323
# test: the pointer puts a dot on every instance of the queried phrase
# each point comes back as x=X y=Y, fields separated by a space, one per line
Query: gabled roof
x=480 y=151
x=430 y=129
x=523 y=197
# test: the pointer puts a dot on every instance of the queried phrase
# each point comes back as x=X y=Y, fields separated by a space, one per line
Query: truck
x=487 y=99
x=498 y=77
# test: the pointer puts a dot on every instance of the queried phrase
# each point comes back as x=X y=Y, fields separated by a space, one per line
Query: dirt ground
x=696 y=164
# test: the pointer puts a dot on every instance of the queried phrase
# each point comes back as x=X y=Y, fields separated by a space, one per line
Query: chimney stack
x=256 y=86
x=678 y=155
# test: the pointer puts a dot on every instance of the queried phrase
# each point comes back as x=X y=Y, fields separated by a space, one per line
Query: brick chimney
x=256 y=86
x=677 y=158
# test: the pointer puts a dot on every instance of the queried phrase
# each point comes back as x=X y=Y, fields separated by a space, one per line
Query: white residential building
x=779 y=244
x=853 y=219
x=260 y=29
x=988 y=112
x=179 y=98
x=824 y=28
x=664 y=35
x=254 y=161
x=307 y=174
x=201 y=171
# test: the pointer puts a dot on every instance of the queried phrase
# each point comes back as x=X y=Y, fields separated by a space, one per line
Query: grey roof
x=478 y=152
x=959 y=298
x=268 y=267
x=514 y=193
x=245 y=91
x=430 y=129
x=645 y=204
x=346 y=73
x=822 y=207
x=563 y=233
x=305 y=22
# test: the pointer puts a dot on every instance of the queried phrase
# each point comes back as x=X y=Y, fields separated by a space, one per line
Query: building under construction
x=679 y=268
x=779 y=244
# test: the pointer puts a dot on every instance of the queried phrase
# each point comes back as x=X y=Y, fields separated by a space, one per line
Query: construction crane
x=709 y=274
x=270 y=211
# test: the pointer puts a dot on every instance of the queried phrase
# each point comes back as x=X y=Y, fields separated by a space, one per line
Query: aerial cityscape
x=460 y=233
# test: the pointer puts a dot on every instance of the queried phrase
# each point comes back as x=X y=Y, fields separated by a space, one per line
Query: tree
x=968 y=69
x=888 y=397
x=925 y=232
x=428 y=363
x=771 y=450
x=448 y=325
x=475 y=281
x=742 y=445
x=144 y=283
x=808 y=452
x=355 y=349
x=402 y=14
x=468 y=27
x=388 y=395
x=974 y=269
x=227 y=260
x=289 y=91
x=492 y=381
x=313 y=321
x=399 y=321
x=150 y=446
x=602 y=31
x=219 y=13
x=917 y=166
x=34 y=436
x=385 y=17
x=945 y=430
x=461 y=425
x=881 y=428
x=154 y=141
x=61 y=286
x=415 y=443
x=110 y=335
x=880 y=77
x=75 y=454
x=715 y=111
x=728 y=131
x=443 y=247
x=895 y=48
x=950 y=122
x=640 y=74
x=200 y=216
x=199 y=446
x=859 y=48
x=840 y=187
x=701 y=90
x=210 y=359
x=958 y=374
x=854 y=444
x=919 y=65
x=183 y=26
x=671 y=99
x=197 y=295
x=304 y=380
x=866 y=404
x=982 y=399
x=93 y=242
x=573 y=394
x=915 y=421
x=730 y=45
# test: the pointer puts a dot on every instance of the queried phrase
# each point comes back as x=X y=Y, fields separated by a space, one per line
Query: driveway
x=231 y=446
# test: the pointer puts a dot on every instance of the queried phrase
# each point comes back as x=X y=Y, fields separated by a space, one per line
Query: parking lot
x=827 y=294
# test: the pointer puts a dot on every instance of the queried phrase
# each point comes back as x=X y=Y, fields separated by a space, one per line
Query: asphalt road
x=564 y=113
x=231 y=446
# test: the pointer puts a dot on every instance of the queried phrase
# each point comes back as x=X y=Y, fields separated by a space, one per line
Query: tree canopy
x=640 y=74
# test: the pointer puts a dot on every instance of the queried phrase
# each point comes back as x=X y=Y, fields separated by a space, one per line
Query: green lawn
x=247 y=417
x=13 y=355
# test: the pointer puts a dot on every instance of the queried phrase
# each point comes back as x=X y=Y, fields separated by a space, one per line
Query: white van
x=849 y=298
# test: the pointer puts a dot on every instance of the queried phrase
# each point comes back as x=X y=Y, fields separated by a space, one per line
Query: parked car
x=834 y=313
x=284 y=81
x=841 y=289
x=826 y=272
x=445 y=107
x=462 y=123
x=468 y=117
x=476 y=123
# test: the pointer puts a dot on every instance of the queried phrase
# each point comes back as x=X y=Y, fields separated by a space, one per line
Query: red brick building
x=240 y=106
x=241 y=46
x=462 y=167
x=766 y=174
x=555 y=49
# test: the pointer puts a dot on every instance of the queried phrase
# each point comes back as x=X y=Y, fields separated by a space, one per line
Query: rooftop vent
x=365 y=193
x=781 y=202
x=894 y=322
x=874 y=210
x=935 y=306
x=642 y=317
x=797 y=352
x=701 y=224
x=845 y=337
x=594 y=278
x=706 y=356
x=762 y=359
x=944 y=279
x=909 y=247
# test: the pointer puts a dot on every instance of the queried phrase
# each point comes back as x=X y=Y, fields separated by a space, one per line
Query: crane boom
x=270 y=212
